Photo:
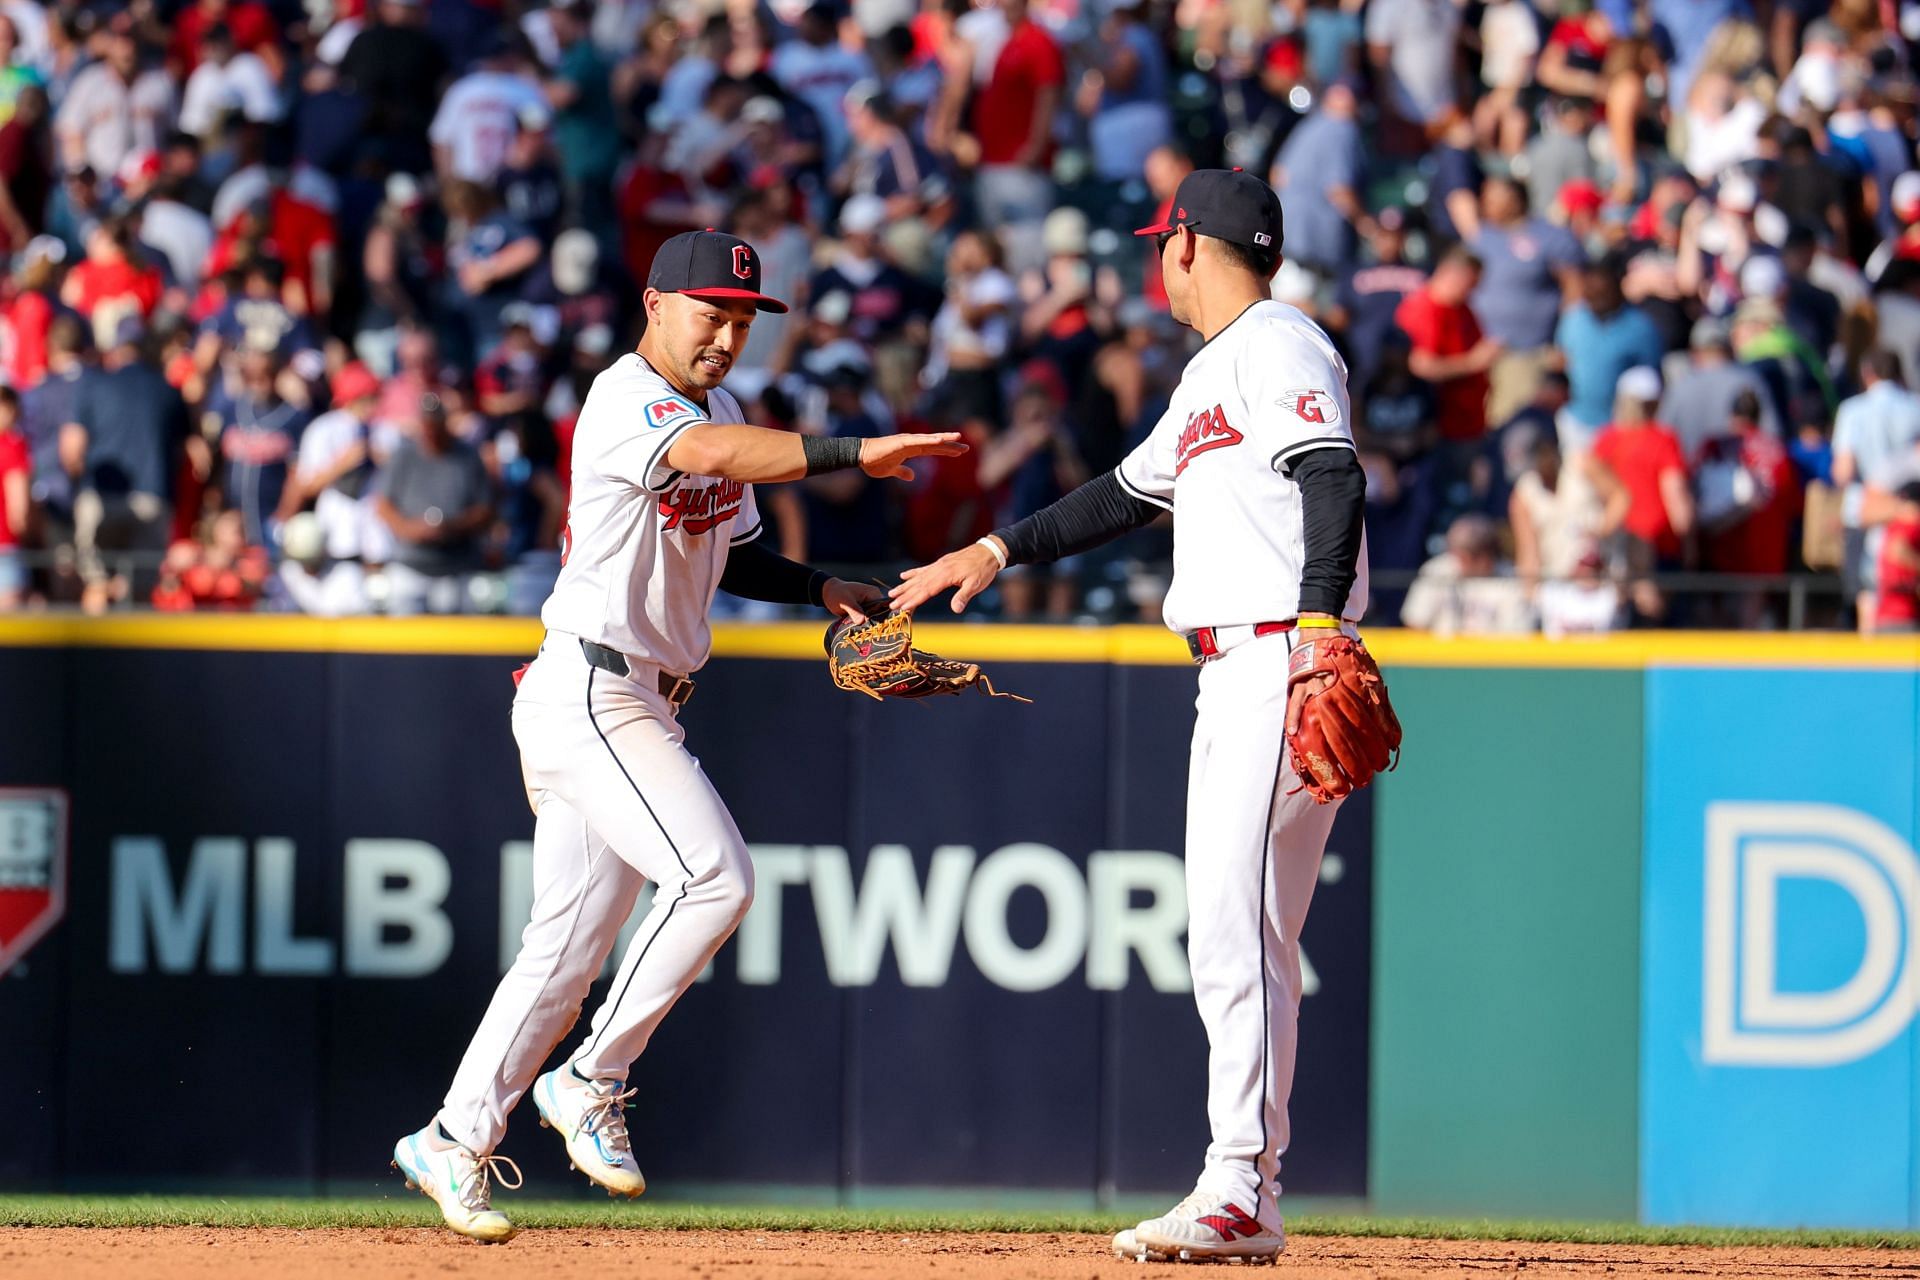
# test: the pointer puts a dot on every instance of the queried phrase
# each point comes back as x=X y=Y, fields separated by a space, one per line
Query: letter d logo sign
x=1751 y=848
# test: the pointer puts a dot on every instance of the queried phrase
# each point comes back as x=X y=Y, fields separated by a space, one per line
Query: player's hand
x=885 y=457
x=968 y=570
x=856 y=601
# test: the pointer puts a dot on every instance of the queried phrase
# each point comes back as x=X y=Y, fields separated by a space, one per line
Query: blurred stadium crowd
x=303 y=299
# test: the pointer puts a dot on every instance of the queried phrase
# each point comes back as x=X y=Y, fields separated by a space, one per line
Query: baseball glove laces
x=877 y=658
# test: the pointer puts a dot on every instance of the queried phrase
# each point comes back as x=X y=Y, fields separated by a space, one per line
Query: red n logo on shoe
x=1232 y=1223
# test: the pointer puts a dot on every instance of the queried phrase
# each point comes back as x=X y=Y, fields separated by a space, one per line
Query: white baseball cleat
x=458 y=1181
x=1205 y=1227
x=590 y=1115
x=1127 y=1246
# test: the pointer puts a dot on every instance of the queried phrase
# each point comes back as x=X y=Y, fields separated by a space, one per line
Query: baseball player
x=1255 y=459
x=662 y=515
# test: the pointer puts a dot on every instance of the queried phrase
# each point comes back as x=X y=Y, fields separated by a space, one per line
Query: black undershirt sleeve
x=1097 y=512
x=754 y=572
x=1333 y=500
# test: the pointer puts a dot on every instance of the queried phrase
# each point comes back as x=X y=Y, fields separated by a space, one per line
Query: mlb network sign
x=1780 y=1058
x=227 y=909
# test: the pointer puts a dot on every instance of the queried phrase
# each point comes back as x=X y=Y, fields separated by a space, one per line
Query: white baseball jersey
x=1267 y=389
x=619 y=801
x=645 y=545
x=1264 y=390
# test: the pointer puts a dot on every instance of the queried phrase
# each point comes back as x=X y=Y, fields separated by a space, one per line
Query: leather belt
x=675 y=689
x=1211 y=642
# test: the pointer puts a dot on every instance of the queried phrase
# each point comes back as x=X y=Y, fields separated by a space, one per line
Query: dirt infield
x=201 y=1253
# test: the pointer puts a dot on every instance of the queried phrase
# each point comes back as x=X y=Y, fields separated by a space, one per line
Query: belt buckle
x=1202 y=644
x=680 y=692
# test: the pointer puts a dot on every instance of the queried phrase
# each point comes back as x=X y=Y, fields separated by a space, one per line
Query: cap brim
x=760 y=300
x=1155 y=229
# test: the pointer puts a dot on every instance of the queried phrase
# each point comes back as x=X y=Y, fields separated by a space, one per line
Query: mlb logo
x=33 y=867
x=664 y=413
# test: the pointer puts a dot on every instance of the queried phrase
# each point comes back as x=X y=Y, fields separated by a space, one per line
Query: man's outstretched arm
x=758 y=455
x=1095 y=513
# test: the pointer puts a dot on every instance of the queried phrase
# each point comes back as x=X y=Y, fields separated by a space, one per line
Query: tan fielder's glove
x=877 y=658
x=1347 y=731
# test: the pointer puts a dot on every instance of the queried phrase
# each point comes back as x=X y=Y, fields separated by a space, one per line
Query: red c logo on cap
x=743 y=262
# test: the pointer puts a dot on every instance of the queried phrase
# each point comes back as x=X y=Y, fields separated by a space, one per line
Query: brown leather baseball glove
x=877 y=658
x=1347 y=730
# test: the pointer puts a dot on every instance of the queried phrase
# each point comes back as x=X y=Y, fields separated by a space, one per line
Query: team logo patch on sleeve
x=672 y=411
x=1310 y=404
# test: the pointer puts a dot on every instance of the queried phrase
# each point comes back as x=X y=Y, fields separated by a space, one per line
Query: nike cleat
x=590 y=1116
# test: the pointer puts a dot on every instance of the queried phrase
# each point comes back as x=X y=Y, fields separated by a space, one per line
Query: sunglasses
x=1160 y=241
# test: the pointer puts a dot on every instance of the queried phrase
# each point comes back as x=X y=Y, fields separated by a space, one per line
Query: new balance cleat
x=1127 y=1246
x=1205 y=1227
x=457 y=1180
x=590 y=1116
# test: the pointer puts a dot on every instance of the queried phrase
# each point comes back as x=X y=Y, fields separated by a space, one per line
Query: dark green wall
x=1506 y=942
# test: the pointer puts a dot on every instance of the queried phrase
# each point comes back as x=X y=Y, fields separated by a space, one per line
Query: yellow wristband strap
x=1318 y=624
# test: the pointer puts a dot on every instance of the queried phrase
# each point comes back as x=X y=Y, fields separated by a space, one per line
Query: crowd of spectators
x=304 y=295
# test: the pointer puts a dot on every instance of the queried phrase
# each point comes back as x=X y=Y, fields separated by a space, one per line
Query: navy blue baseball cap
x=1227 y=204
x=710 y=264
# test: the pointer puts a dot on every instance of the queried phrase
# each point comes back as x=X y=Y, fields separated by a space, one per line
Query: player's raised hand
x=967 y=570
x=885 y=457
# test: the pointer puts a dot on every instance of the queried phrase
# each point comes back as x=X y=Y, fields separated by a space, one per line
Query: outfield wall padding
x=293 y=878
x=1507 y=887
x=1633 y=931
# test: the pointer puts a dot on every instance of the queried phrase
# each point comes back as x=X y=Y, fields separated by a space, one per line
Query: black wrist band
x=817 y=587
x=830 y=453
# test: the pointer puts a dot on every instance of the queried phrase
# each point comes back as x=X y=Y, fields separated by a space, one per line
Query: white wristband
x=994 y=548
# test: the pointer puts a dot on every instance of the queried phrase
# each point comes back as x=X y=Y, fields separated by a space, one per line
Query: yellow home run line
x=1126 y=645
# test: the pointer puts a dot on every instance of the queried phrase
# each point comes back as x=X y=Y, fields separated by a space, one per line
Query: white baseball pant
x=618 y=802
x=1254 y=842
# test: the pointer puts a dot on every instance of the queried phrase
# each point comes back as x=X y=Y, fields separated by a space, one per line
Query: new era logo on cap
x=710 y=264
x=1226 y=204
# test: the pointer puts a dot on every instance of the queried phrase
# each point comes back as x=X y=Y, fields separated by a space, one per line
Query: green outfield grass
x=413 y=1211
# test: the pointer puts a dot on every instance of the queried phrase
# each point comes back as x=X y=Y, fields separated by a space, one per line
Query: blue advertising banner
x=1781 y=975
x=965 y=964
